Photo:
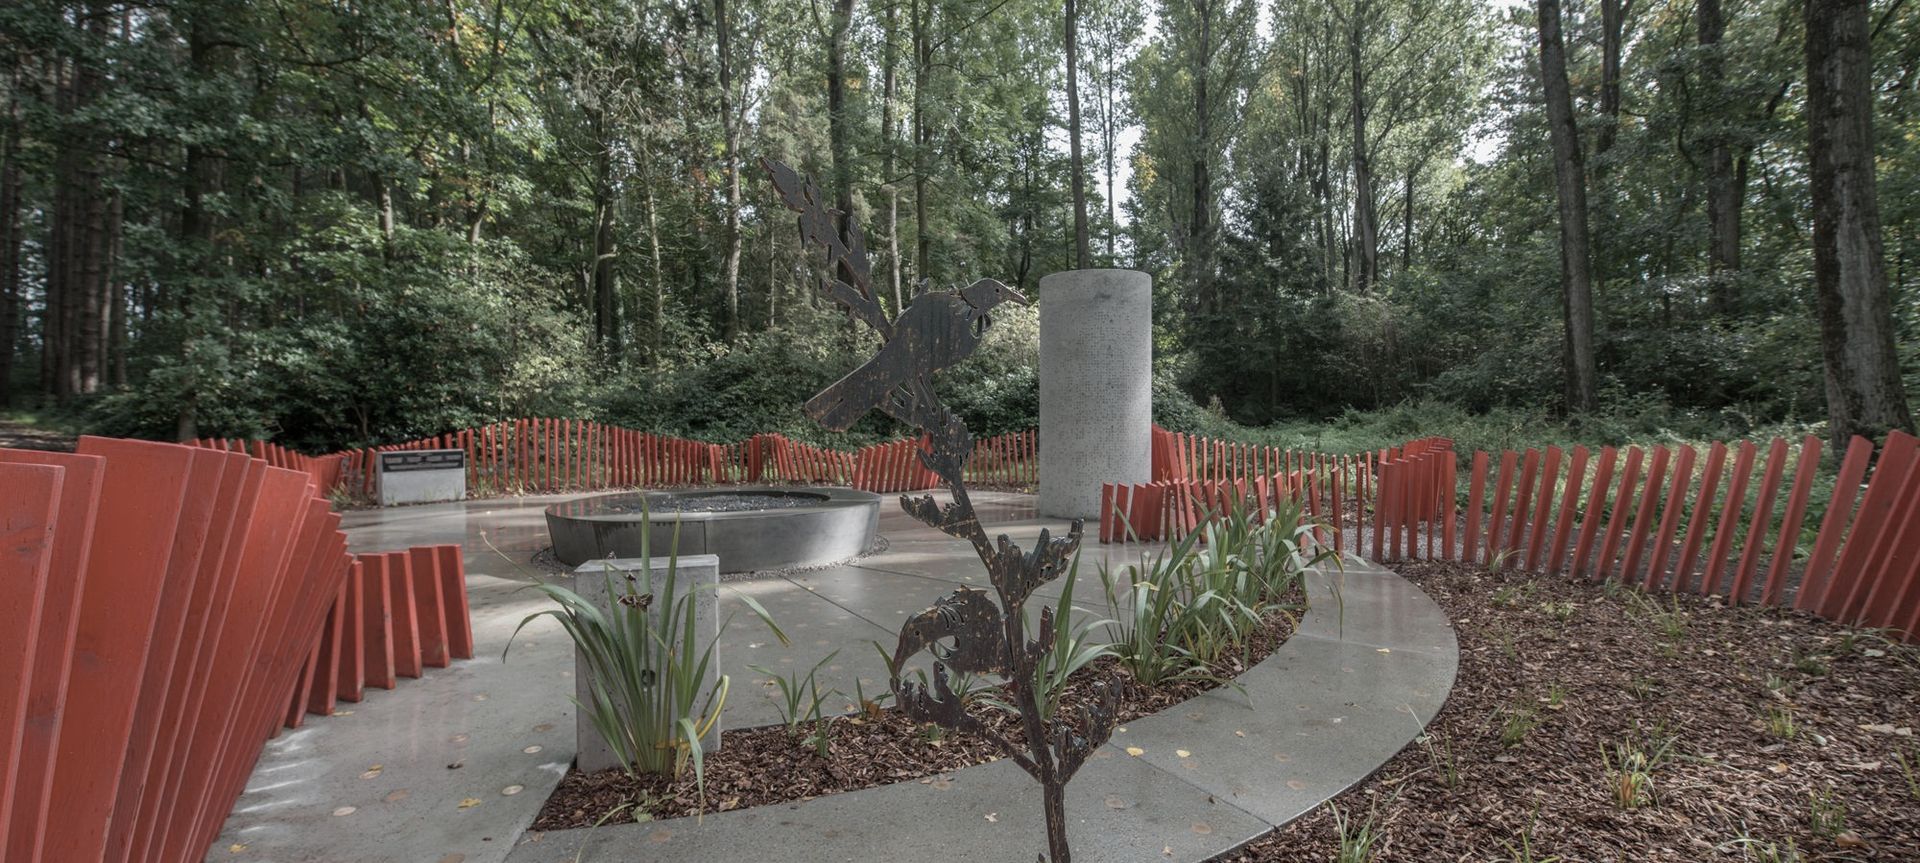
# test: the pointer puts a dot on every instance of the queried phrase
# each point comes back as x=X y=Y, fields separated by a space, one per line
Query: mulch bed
x=762 y=766
x=1555 y=673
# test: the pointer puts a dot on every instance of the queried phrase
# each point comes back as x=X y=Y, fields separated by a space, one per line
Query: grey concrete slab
x=316 y=794
x=1120 y=809
x=454 y=763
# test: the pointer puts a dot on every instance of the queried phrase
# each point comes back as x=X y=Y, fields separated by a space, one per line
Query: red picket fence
x=552 y=455
x=396 y=614
x=165 y=600
x=549 y=455
x=1648 y=519
x=1195 y=477
x=326 y=470
x=1011 y=459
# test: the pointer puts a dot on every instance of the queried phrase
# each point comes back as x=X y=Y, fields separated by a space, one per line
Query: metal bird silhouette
x=937 y=330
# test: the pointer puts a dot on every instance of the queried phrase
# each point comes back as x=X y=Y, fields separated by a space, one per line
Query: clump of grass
x=1669 y=620
x=1826 y=817
x=1556 y=695
x=1629 y=776
x=1778 y=717
x=646 y=666
x=1521 y=720
x=1642 y=688
x=1359 y=838
x=1524 y=853
x=1561 y=611
x=1761 y=851
x=801 y=700
x=1180 y=613
x=1810 y=664
x=1906 y=763
x=1631 y=763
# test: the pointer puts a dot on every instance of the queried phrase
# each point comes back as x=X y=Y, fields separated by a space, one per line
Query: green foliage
x=1194 y=604
x=646 y=667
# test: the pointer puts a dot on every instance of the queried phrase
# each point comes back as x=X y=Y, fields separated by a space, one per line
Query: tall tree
x=1366 y=228
x=10 y=234
x=1570 y=188
x=1723 y=193
x=1082 y=252
x=1864 y=391
x=839 y=122
x=730 y=148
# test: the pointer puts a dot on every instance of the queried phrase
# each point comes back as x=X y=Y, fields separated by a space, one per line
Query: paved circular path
x=453 y=767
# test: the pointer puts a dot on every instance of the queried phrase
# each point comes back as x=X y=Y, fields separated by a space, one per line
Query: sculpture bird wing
x=851 y=284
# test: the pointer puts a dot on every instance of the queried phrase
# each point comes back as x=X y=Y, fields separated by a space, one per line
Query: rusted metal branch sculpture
x=966 y=632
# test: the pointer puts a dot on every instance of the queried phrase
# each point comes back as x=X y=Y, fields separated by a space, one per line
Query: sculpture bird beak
x=1014 y=296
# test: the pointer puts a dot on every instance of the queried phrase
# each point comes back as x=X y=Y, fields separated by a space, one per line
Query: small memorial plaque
x=427 y=459
x=422 y=476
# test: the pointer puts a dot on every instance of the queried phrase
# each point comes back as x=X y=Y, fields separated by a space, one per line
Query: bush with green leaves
x=648 y=695
x=1191 y=605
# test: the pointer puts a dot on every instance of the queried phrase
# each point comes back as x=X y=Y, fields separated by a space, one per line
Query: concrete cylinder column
x=1096 y=387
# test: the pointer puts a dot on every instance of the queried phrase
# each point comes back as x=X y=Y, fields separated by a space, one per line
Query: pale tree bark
x=1570 y=188
x=730 y=134
x=1082 y=254
x=1723 y=189
x=1864 y=391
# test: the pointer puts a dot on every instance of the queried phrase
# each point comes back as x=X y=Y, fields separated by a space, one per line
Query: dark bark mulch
x=1555 y=676
x=767 y=765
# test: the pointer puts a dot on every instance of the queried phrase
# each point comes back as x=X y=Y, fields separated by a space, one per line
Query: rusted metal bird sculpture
x=967 y=632
x=937 y=330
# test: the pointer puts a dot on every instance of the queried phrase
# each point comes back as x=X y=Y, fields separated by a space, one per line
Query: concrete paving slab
x=1121 y=809
x=317 y=795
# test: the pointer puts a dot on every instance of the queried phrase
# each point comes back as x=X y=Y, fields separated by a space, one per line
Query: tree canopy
x=345 y=223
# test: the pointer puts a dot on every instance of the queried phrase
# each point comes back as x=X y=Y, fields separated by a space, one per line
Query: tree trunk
x=1082 y=253
x=1200 y=231
x=10 y=237
x=890 y=135
x=1864 y=391
x=1613 y=18
x=839 y=125
x=922 y=11
x=1366 y=233
x=1723 y=187
x=1570 y=187
x=730 y=133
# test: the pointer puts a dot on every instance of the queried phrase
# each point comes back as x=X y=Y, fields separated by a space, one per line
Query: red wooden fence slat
x=1497 y=523
x=1569 y=501
x=1670 y=516
x=1522 y=507
x=1703 y=504
x=1476 y=502
x=1762 y=519
x=1643 y=517
x=29 y=513
x=1623 y=503
x=1875 y=529
x=1549 y=480
x=1899 y=544
x=1846 y=489
x=1790 y=520
x=1596 y=506
x=1729 y=518
x=31 y=758
x=140 y=496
